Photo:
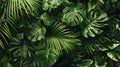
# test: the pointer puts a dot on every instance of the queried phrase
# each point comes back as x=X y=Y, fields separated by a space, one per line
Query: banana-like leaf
x=37 y=32
x=94 y=21
x=73 y=15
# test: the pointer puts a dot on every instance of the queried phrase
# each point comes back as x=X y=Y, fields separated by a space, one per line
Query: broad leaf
x=86 y=63
x=21 y=47
x=37 y=32
x=100 y=61
x=48 y=20
x=4 y=62
x=113 y=55
x=94 y=21
x=73 y=15
x=47 y=57
x=49 y=4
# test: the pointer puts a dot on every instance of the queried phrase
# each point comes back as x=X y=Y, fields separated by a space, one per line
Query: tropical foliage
x=59 y=33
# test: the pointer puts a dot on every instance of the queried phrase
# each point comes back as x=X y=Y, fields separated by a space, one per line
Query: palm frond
x=59 y=38
x=15 y=8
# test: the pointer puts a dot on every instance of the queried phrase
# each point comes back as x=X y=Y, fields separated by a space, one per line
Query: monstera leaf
x=21 y=47
x=94 y=21
x=47 y=57
x=37 y=32
x=73 y=15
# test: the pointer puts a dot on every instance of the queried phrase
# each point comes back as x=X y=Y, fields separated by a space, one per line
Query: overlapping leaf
x=94 y=22
x=37 y=32
x=73 y=15
x=49 y=4
x=21 y=47
x=60 y=38
x=15 y=8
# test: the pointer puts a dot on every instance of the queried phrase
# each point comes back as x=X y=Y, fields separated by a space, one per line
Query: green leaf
x=113 y=1
x=100 y=61
x=60 y=38
x=16 y=8
x=101 y=1
x=48 y=20
x=21 y=47
x=86 y=63
x=37 y=32
x=73 y=15
x=94 y=21
x=9 y=65
x=118 y=5
x=47 y=57
x=4 y=62
x=1 y=44
x=113 y=55
x=49 y=4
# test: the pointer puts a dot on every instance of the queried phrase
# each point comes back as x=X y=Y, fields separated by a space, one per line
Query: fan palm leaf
x=15 y=8
x=60 y=38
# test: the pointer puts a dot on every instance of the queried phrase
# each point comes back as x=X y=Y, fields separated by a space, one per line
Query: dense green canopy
x=59 y=33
